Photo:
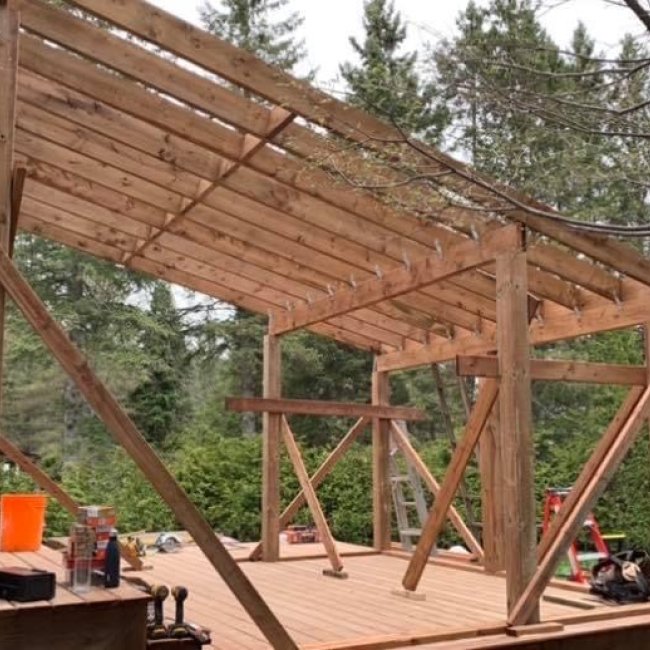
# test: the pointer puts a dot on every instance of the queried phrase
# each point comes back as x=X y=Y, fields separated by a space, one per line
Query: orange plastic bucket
x=22 y=518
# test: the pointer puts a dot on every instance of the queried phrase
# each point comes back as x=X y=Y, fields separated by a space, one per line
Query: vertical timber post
x=516 y=429
x=9 y=22
x=491 y=494
x=381 y=489
x=272 y=388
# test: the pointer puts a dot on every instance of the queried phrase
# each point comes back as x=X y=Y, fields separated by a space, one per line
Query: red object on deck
x=554 y=499
x=302 y=534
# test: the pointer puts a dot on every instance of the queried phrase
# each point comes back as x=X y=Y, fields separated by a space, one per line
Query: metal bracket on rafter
x=438 y=246
x=378 y=272
x=407 y=261
x=330 y=290
x=353 y=282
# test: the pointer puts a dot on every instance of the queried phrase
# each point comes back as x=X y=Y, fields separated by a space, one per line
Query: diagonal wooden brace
x=126 y=433
x=462 y=454
x=570 y=521
x=318 y=477
x=412 y=456
x=310 y=496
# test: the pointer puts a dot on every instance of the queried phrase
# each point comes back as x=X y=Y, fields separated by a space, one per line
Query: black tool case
x=25 y=585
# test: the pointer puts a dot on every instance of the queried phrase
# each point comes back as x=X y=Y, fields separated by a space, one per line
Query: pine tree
x=249 y=24
x=386 y=81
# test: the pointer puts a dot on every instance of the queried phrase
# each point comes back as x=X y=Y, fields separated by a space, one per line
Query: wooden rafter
x=455 y=470
x=412 y=456
x=310 y=496
x=554 y=325
x=558 y=370
x=318 y=477
x=400 y=281
x=350 y=122
x=125 y=432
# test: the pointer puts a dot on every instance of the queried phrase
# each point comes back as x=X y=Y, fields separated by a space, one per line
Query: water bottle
x=112 y=562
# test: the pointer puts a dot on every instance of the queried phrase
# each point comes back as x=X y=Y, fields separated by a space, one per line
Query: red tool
x=554 y=499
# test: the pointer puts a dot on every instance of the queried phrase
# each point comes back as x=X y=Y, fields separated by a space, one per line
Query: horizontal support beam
x=319 y=407
x=459 y=258
x=558 y=370
x=552 y=324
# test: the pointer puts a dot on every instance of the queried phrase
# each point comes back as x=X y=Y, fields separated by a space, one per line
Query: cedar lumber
x=125 y=432
x=402 y=441
x=555 y=325
x=592 y=465
x=17 y=187
x=13 y=453
x=53 y=489
x=571 y=522
x=310 y=496
x=252 y=74
x=396 y=282
x=322 y=407
x=515 y=441
x=318 y=477
x=557 y=370
x=271 y=437
x=449 y=486
x=381 y=487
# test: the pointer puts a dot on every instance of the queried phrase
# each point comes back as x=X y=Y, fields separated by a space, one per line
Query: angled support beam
x=317 y=478
x=590 y=468
x=402 y=441
x=323 y=407
x=516 y=430
x=396 y=282
x=50 y=486
x=557 y=370
x=461 y=456
x=271 y=436
x=17 y=186
x=39 y=477
x=125 y=433
x=381 y=487
x=310 y=496
x=570 y=522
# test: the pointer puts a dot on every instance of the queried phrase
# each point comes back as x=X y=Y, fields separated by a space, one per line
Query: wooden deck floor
x=317 y=609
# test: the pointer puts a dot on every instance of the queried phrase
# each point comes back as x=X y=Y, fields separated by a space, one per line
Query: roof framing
x=160 y=167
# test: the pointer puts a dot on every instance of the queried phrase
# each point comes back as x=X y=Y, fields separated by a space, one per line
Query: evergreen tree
x=158 y=405
x=386 y=81
x=250 y=24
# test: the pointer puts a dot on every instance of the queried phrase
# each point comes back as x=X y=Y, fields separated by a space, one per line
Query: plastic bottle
x=112 y=562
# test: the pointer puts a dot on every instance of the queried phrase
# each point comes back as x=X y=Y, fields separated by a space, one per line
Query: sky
x=328 y=25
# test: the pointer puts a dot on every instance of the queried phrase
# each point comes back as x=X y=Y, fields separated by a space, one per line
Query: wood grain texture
x=381 y=488
x=125 y=432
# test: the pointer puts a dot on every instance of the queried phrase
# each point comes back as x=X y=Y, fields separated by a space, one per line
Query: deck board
x=317 y=609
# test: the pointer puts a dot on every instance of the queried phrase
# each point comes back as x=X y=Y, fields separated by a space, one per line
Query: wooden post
x=125 y=433
x=9 y=22
x=515 y=432
x=491 y=495
x=381 y=493
x=272 y=387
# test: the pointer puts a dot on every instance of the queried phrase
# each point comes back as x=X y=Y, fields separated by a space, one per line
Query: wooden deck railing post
x=515 y=432
x=381 y=492
x=271 y=436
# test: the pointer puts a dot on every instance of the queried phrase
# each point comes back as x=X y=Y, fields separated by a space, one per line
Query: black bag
x=624 y=577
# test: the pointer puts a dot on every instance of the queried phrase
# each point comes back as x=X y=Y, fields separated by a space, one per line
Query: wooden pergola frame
x=111 y=147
